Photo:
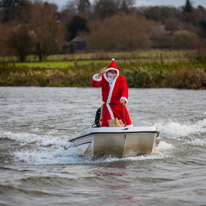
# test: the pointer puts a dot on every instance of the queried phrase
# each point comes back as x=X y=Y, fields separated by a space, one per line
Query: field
x=69 y=60
x=177 y=69
x=99 y=56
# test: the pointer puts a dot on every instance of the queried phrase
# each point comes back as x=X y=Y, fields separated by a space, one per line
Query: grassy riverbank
x=137 y=55
x=174 y=70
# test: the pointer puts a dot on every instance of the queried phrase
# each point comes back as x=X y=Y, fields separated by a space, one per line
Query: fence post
x=75 y=61
x=161 y=59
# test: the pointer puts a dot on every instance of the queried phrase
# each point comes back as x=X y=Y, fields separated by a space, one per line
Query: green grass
x=47 y=64
x=176 y=69
x=140 y=75
x=58 y=64
x=150 y=54
x=67 y=64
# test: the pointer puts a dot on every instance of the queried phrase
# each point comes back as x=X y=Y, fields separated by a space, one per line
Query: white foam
x=164 y=149
x=189 y=133
x=68 y=156
x=136 y=158
x=175 y=130
x=50 y=149
x=41 y=140
x=47 y=156
x=60 y=156
x=197 y=142
x=54 y=150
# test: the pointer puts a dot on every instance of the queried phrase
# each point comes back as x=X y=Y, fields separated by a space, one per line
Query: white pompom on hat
x=113 y=66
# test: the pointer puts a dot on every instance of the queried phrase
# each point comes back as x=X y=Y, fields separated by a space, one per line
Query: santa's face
x=111 y=74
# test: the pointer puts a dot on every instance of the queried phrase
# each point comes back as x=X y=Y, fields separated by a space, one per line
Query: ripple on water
x=38 y=166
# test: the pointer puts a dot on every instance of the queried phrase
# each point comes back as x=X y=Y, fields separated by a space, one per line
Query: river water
x=38 y=167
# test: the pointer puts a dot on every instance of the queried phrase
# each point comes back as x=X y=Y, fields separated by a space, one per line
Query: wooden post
x=161 y=59
x=75 y=61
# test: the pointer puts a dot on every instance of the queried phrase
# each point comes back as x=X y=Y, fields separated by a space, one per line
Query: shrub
x=72 y=48
x=120 y=33
x=144 y=78
x=187 y=78
x=185 y=40
x=200 y=57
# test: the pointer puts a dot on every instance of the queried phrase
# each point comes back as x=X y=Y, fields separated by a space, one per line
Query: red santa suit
x=113 y=92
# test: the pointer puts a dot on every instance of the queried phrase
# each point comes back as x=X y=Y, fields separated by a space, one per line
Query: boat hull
x=116 y=143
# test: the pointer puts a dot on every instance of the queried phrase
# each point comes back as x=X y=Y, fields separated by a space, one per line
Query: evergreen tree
x=106 y=8
x=124 y=7
x=12 y=8
x=77 y=24
x=188 y=7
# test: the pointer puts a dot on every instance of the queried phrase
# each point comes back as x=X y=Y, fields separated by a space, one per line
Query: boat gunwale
x=82 y=143
x=84 y=135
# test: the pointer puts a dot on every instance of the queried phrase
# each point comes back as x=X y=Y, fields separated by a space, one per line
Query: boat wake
x=51 y=149
x=191 y=133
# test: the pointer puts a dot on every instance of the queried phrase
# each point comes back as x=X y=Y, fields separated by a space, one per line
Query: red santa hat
x=113 y=66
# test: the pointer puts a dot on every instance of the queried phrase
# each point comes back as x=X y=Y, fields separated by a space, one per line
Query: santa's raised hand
x=102 y=71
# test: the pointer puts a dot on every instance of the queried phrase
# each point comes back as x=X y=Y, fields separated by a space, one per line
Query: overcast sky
x=176 y=3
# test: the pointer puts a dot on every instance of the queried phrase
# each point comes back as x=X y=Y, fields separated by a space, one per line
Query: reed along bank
x=156 y=74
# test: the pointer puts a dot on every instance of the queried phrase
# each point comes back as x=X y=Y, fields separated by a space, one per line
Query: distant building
x=159 y=30
x=81 y=42
x=161 y=38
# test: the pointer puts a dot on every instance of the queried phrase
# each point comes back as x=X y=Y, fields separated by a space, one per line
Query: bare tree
x=106 y=8
x=119 y=33
x=72 y=6
x=20 y=41
x=4 y=50
x=48 y=32
x=84 y=6
x=126 y=5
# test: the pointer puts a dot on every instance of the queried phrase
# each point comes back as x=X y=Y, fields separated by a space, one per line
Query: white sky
x=176 y=3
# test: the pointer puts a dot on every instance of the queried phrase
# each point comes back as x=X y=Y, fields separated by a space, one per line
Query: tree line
x=38 y=27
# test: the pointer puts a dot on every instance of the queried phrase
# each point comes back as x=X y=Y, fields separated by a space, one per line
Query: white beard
x=110 y=79
x=111 y=76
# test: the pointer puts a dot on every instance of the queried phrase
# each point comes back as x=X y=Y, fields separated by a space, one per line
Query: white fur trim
x=113 y=59
x=95 y=78
x=111 y=90
x=111 y=68
x=110 y=110
x=105 y=74
x=111 y=86
x=124 y=99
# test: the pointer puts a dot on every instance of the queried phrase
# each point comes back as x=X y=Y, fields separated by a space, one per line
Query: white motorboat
x=117 y=142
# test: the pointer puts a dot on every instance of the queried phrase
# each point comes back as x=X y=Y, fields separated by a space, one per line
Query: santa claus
x=114 y=94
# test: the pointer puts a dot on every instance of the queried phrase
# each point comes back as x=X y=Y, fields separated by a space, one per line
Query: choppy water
x=37 y=167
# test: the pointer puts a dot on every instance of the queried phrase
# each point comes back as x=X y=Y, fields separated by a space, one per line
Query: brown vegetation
x=4 y=49
x=104 y=25
x=119 y=33
x=46 y=31
x=20 y=41
x=186 y=40
x=173 y=75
